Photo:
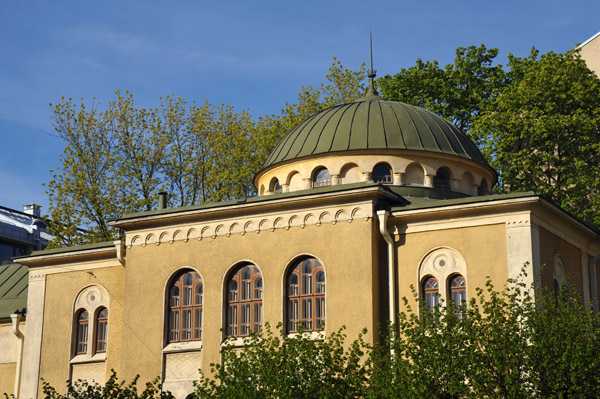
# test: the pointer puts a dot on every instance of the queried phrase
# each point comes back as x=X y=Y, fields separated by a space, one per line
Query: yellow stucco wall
x=552 y=245
x=483 y=248
x=8 y=356
x=7 y=378
x=61 y=291
x=345 y=250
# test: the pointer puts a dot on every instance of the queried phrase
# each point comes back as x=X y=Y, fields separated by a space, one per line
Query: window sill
x=183 y=346
x=98 y=357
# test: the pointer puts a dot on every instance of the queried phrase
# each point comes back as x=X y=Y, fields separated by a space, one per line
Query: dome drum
x=409 y=168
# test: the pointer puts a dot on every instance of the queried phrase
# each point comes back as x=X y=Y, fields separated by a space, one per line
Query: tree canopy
x=537 y=121
x=117 y=159
x=542 y=131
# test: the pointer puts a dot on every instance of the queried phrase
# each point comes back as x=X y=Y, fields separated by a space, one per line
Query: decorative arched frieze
x=243 y=225
x=176 y=235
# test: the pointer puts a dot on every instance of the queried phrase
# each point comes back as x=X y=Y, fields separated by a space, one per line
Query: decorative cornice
x=249 y=225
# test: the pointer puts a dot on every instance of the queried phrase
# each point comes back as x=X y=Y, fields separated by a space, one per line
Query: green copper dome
x=373 y=123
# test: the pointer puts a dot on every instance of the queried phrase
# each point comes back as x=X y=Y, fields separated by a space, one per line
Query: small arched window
x=101 y=330
x=83 y=321
x=244 y=301
x=431 y=292
x=458 y=292
x=483 y=188
x=442 y=179
x=185 y=307
x=276 y=187
x=322 y=178
x=382 y=174
x=305 y=283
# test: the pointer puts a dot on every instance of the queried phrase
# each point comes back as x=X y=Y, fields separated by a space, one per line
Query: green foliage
x=113 y=389
x=507 y=343
x=543 y=131
x=459 y=92
x=116 y=160
x=272 y=365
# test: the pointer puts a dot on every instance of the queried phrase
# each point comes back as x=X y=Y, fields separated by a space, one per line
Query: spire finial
x=371 y=73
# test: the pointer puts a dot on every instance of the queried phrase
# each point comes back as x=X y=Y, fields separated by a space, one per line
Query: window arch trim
x=443 y=263
x=92 y=298
x=247 y=315
x=190 y=315
x=319 y=312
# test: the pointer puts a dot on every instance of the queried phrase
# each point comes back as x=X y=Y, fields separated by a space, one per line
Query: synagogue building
x=355 y=206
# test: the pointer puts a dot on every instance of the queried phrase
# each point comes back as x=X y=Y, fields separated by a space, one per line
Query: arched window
x=322 y=178
x=101 y=330
x=483 y=188
x=276 y=187
x=185 y=307
x=83 y=320
x=244 y=301
x=382 y=174
x=442 y=179
x=458 y=292
x=431 y=292
x=305 y=282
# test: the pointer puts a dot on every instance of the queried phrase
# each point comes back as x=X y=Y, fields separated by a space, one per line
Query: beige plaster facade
x=590 y=52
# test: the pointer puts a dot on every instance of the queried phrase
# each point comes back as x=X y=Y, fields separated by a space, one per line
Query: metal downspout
x=593 y=282
x=383 y=218
x=16 y=319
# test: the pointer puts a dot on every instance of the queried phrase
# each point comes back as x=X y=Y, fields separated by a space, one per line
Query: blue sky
x=252 y=55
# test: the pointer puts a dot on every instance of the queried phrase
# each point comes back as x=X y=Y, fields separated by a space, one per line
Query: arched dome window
x=275 y=187
x=382 y=174
x=483 y=188
x=321 y=178
x=442 y=179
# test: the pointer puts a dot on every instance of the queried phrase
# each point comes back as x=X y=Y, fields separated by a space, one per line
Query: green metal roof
x=14 y=279
x=373 y=123
x=61 y=250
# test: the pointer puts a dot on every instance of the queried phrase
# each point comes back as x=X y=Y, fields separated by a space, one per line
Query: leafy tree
x=542 y=132
x=112 y=389
x=116 y=160
x=458 y=92
x=275 y=366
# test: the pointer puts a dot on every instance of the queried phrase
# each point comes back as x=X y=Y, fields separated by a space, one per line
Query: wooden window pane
x=244 y=298
x=101 y=330
x=82 y=332
x=185 y=307
x=431 y=293
x=306 y=281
